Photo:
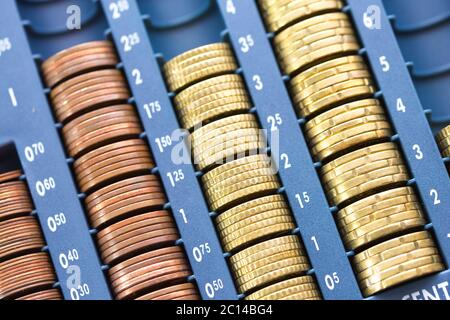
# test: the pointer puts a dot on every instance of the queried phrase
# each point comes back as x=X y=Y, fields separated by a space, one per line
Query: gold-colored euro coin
x=394 y=245
x=406 y=275
x=317 y=51
x=443 y=139
x=304 y=285
x=383 y=228
x=199 y=64
x=376 y=202
x=280 y=13
x=342 y=114
x=233 y=168
x=256 y=227
x=250 y=208
x=263 y=249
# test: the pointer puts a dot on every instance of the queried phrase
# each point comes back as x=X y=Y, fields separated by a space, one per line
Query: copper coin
x=118 y=188
x=14 y=199
x=105 y=92
x=51 y=294
x=67 y=88
x=78 y=59
x=142 y=260
x=150 y=276
x=112 y=162
x=81 y=91
x=125 y=197
x=92 y=101
x=143 y=242
x=9 y=176
x=24 y=274
x=101 y=127
x=19 y=235
x=133 y=223
x=156 y=295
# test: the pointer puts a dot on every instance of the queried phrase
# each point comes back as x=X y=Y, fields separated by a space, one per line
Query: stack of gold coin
x=226 y=138
x=364 y=174
x=112 y=165
x=280 y=13
x=331 y=83
x=342 y=128
x=379 y=216
x=268 y=261
x=299 y=288
x=26 y=272
x=443 y=139
x=362 y=171
x=254 y=220
x=397 y=260
x=211 y=99
x=199 y=64
x=313 y=40
x=238 y=177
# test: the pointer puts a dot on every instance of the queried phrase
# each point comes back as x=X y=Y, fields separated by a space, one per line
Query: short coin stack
x=254 y=222
x=26 y=273
x=443 y=139
x=363 y=173
x=112 y=165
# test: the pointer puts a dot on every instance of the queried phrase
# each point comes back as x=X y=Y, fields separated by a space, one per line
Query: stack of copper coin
x=112 y=165
x=26 y=273
x=363 y=173
x=239 y=182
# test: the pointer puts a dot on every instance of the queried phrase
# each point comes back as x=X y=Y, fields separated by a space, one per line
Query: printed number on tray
x=33 y=151
x=130 y=41
x=118 y=7
x=212 y=287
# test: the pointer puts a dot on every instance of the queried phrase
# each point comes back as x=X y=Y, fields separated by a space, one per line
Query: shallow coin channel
x=364 y=174
x=113 y=166
x=254 y=222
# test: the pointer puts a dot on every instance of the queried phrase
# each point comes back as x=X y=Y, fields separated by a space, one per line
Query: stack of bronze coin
x=443 y=139
x=254 y=222
x=26 y=273
x=112 y=166
x=348 y=131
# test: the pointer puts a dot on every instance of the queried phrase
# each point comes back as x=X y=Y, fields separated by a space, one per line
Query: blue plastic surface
x=423 y=32
x=186 y=199
x=414 y=15
x=175 y=26
x=25 y=119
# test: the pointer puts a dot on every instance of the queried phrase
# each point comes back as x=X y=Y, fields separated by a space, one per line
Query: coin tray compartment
x=25 y=118
x=423 y=29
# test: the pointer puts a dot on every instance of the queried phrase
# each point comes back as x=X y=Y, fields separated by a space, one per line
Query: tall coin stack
x=26 y=272
x=254 y=222
x=112 y=165
x=363 y=172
